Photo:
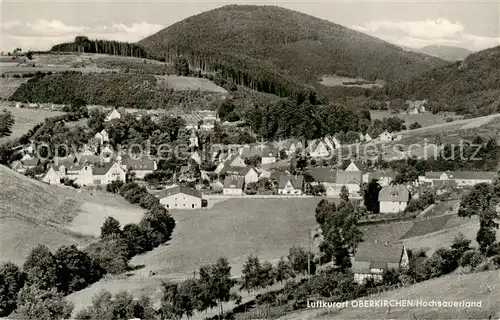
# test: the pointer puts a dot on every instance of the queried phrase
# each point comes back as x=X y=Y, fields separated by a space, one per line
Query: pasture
x=25 y=119
x=9 y=85
x=189 y=83
x=425 y=119
x=233 y=228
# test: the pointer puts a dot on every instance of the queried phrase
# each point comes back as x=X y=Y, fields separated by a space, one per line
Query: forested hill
x=468 y=87
x=287 y=42
x=84 y=44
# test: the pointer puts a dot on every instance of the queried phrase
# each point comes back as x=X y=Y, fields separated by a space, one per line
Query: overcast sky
x=39 y=24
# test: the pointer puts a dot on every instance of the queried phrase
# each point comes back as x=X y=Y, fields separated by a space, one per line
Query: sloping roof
x=398 y=193
x=349 y=177
x=64 y=160
x=360 y=165
x=297 y=181
x=90 y=159
x=33 y=162
x=378 y=252
x=102 y=170
x=323 y=174
x=380 y=174
x=145 y=163
x=239 y=171
x=176 y=190
x=234 y=182
x=444 y=183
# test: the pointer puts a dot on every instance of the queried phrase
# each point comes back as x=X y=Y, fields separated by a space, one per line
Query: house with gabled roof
x=31 y=163
x=384 y=177
x=290 y=184
x=385 y=136
x=139 y=166
x=232 y=161
x=177 y=197
x=52 y=176
x=114 y=114
x=102 y=136
x=368 y=138
x=103 y=175
x=251 y=174
x=319 y=149
x=372 y=259
x=324 y=176
x=233 y=185
x=393 y=198
x=462 y=178
x=357 y=166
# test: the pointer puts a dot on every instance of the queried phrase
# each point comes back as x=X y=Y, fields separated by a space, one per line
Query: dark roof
x=176 y=190
x=444 y=183
x=234 y=182
x=397 y=193
x=360 y=165
x=378 y=252
x=102 y=170
x=239 y=171
x=349 y=177
x=31 y=162
x=90 y=159
x=64 y=160
x=145 y=163
x=297 y=181
x=321 y=174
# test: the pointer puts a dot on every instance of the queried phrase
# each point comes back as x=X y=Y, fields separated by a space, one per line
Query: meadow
x=334 y=80
x=189 y=83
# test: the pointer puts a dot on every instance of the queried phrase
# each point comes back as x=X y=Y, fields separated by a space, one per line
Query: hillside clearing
x=189 y=83
x=36 y=213
x=334 y=80
x=9 y=85
x=234 y=229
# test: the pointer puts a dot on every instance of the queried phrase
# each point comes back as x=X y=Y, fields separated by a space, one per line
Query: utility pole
x=309 y=256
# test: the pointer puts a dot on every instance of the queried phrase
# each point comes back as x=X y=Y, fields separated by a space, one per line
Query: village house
x=114 y=114
x=207 y=124
x=461 y=178
x=372 y=259
x=268 y=155
x=319 y=149
x=102 y=137
x=368 y=138
x=385 y=137
x=31 y=163
x=290 y=184
x=178 y=197
x=18 y=166
x=100 y=175
x=393 y=198
x=351 y=180
x=52 y=176
x=233 y=186
x=193 y=140
x=326 y=177
x=231 y=162
x=196 y=157
x=191 y=124
x=139 y=167
x=250 y=174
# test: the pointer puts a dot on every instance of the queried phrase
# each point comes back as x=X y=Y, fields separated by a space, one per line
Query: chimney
x=386 y=243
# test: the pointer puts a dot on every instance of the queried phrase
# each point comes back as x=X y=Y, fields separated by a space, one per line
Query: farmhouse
x=461 y=178
x=51 y=176
x=31 y=163
x=102 y=137
x=233 y=186
x=289 y=184
x=180 y=198
x=231 y=161
x=368 y=138
x=140 y=167
x=372 y=259
x=393 y=199
x=250 y=174
x=268 y=155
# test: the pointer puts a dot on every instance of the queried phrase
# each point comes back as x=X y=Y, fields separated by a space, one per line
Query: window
x=193 y=205
x=168 y=206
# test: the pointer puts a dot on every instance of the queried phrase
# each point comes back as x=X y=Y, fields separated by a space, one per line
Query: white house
x=233 y=186
x=461 y=178
x=384 y=177
x=289 y=184
x=113 y=115
x=250 y=174
x=268 y=155
x=372 y=259
x=51 y=176
x=193 y=140
x=140 y=167
x=231 y=161
x=368 y=138
x=385 y=136
x=351 y=180
x=180 y=198
x=196 y=157
x=393 y=199
x=319 y=149
x=326 y=177
x=102 y=136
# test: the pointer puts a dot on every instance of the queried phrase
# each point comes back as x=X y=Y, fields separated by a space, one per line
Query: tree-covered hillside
x=469 y=87
x=269 y=47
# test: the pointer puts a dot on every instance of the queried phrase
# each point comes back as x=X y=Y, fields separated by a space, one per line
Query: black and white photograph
x=249 y=160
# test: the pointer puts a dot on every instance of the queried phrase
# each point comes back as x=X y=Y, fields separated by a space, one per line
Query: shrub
x=11 y=281
x=114 y=186
x=41 y=268
x=110 y=254
x=38 y=304
x=110 y=227
x=471 y=258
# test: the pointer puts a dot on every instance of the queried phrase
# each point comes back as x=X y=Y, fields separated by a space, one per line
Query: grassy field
x=484 y=287
x=25 y=119
x=189 y=83
x=35 y=213
x=9 y=85
x=425 y=119
x=334 y=80
x=234 y=228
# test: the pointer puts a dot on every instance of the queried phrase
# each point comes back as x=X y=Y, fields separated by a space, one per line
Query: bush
x=110 y=227
x=471 y=258
x=114 y=186
x=110 y=254
x=11 y=281
x=38 y=304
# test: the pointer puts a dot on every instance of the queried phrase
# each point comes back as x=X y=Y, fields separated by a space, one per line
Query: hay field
x=334 y=80
x=189 y=83
x=9 y=85
x=468 y=287
x=35 y=213
x=234 y=228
